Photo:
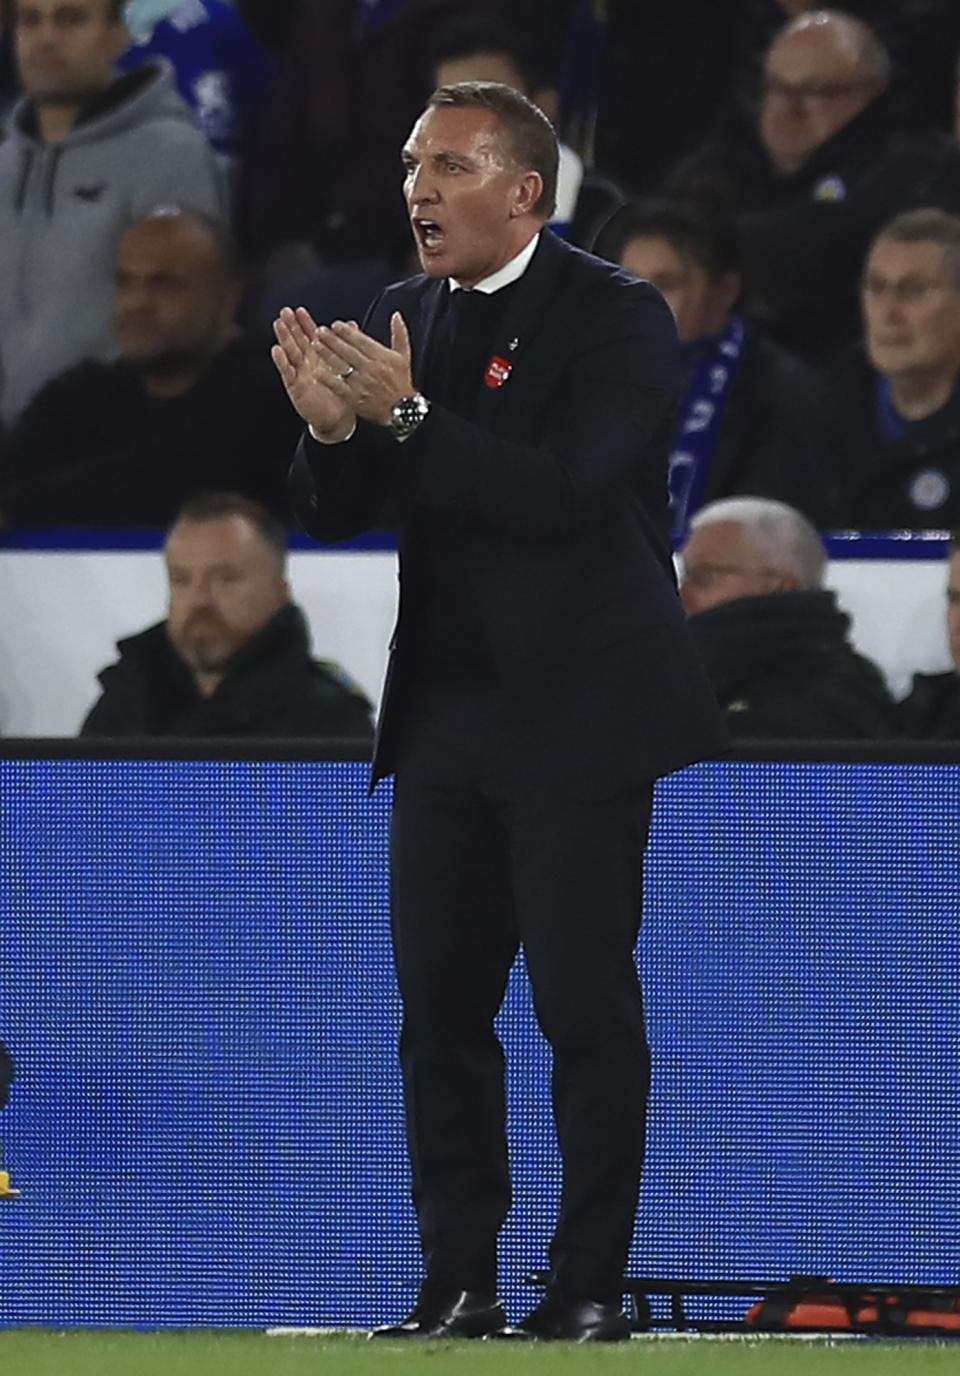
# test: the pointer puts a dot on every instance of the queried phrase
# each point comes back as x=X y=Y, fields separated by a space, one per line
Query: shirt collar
x=510 y=272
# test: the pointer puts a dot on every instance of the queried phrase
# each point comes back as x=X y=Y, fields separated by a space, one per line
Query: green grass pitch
x=39 y=1352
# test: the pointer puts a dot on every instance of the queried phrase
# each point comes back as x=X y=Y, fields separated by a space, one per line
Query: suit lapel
x=420 y=317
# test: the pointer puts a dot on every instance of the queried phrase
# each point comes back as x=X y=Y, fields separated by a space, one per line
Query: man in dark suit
x=541 y=678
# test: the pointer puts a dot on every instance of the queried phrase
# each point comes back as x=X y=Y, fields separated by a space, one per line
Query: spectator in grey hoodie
x=87 y=153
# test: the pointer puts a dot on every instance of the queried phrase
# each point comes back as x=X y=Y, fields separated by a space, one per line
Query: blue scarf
x=890 y=423
x=713 y=365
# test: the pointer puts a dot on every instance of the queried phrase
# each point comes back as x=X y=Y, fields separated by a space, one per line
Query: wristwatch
x=407 y=414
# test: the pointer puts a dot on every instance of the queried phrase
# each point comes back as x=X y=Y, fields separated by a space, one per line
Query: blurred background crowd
x=173 y=171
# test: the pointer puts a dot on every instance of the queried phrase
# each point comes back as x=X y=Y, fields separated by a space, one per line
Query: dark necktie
x=472 y=317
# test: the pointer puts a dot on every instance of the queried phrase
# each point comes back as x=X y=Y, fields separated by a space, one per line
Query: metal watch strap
x=407 y=415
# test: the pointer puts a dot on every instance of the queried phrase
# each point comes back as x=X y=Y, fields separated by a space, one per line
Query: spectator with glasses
x=834 y=153
x=898 y=466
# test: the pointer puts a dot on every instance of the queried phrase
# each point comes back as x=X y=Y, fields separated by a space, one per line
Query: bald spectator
x=772 y=638
x=87 y=153
x=899 y=465
x=752 y=417
x=691 y=70
x=190 y=403
x=921 y=37
x=831 y=158
x=232 y=657
x=932 y=709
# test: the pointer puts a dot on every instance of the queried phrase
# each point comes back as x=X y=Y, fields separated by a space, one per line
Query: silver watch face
x=407 y=415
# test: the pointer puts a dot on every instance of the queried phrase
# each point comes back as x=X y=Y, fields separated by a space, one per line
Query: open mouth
x=429 y=234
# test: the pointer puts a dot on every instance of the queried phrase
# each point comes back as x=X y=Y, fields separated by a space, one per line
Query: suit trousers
x=483 y=862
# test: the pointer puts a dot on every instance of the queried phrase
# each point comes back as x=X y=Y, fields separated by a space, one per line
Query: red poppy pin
x=498 y=370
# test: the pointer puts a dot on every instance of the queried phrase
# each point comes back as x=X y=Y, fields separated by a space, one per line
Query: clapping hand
x=318 y=394
x=375 y=376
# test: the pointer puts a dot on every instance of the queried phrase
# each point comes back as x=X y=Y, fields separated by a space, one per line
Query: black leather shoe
x=450 y=1314
x=559 y=1318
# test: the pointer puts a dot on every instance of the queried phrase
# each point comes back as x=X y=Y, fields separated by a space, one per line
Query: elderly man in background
x=932 y=709
x=772 y=638
x=87 y=152
x=898 y=466
x=833 y=155
x=233 y=656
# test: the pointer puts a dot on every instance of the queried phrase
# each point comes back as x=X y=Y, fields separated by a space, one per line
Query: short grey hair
x=851 y=36
x=785 y=540
x=926 y=225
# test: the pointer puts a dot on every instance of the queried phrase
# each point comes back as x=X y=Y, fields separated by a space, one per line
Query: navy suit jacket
x=558 y=488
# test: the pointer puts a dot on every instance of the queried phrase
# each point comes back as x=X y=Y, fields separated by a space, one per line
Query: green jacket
x=272 y=688
x=781 y=666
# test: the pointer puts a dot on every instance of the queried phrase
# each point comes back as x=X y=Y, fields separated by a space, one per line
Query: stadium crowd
x=173 y=171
